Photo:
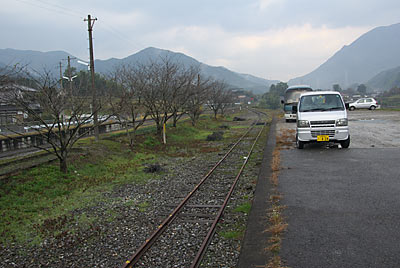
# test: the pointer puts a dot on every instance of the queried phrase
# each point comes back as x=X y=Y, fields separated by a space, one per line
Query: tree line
x=163 y=90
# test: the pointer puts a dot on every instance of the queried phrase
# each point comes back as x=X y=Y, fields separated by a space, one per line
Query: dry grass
x=276 y=221
x=274 y=179
x=286 y=139
x=277 y=229
x=275 y=245
x=277 y=208
x=275 y=262
x=276 y=161
x=275 y=198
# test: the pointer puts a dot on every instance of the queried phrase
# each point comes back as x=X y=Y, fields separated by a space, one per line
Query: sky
x=272 y=39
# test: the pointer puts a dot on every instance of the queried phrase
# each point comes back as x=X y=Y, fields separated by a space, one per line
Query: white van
x=291 y=98
x=322 y=117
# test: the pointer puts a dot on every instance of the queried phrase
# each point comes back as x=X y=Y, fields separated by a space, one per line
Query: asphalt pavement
x=343 y=207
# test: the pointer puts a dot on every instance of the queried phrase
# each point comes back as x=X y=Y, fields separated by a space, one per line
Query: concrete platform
x=253 y=253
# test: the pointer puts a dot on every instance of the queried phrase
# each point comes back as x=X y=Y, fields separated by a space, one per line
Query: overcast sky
x=273 y=39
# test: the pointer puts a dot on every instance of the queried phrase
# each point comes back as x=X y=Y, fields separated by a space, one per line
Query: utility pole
x=61 y=76
x=94 y=94
x=70 y=75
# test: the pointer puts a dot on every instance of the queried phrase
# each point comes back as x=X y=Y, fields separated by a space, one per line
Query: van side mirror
x=294 y=109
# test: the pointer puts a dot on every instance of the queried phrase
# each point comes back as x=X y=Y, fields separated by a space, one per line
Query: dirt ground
x=368 y=129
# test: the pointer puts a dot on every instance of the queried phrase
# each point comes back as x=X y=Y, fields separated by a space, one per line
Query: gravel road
x=368 y=129
x=379 y=129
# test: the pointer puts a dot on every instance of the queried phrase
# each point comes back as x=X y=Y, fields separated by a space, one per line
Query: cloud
x=274 y=54
x=276 y=39
x=119 y=19
x=265 y=4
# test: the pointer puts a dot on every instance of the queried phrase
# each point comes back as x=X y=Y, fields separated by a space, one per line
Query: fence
x=12 y=142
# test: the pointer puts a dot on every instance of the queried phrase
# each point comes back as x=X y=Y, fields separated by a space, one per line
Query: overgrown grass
x=28 y=199
x=43 y=194
x=233 y=234
x=143 y=206
x=239 y=127
x=186 y=139
x=38 y=203
x=244 y=208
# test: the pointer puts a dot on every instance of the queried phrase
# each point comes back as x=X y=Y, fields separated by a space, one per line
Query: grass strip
x=277 y=224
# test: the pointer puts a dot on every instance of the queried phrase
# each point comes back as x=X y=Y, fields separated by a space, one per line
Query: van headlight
x=303 y=123
x=342 y=122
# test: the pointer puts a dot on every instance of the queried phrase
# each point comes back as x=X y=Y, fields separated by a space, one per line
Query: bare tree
x=11 y=73
x=126 y=102
x=164 y=87
x=216 y=100
x=198 y=97
x=183 y=89
x=59 y=116
x=227 y=98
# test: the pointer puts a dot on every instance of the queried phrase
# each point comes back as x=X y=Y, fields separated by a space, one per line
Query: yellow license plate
x=322 y=138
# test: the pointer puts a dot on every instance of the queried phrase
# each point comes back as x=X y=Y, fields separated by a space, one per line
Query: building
x=10 y=112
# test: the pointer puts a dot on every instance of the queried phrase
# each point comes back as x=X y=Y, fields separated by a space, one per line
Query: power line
x=127 y=40
x=104 y=25
x=78 y=13
x=48 y=7
x=52 y=7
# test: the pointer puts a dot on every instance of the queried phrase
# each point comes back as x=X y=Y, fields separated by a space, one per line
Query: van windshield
x=323 y=102
x=287 y=107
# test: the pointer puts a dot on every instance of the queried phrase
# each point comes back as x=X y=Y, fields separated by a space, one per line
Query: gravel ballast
x=127 y=215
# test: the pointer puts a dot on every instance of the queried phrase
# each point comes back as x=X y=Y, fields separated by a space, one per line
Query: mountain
x=35 y=60
x=40 y=61
x=236 y=80
x=385 y=80
x=372 y=53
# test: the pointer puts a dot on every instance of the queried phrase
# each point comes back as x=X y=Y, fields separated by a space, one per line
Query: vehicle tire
x=352 y=108
x=299 y=144
x=346 y=143
x=372 y=107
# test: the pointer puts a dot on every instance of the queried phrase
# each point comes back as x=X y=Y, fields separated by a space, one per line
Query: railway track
x=187 y=230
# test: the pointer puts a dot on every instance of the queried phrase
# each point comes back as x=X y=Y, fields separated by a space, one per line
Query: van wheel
x=352 y=108
x=299 y=144
x=346 y=143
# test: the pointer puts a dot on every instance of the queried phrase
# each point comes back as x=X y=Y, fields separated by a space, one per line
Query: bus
x=291 y=98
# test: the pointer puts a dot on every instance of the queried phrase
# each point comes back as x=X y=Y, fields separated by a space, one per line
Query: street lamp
x=70 y=78
x=84 y=63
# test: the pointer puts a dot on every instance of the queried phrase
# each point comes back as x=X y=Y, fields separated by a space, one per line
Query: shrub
x=215 y=136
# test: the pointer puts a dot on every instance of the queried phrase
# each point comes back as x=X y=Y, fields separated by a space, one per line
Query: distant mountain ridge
x=36 y=60
x=372 y=53
x=385 y=80
x=237 y=80
x=49 y=61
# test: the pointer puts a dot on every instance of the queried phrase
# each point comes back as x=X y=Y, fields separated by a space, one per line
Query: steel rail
x=206 y=242
x=161 y=228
